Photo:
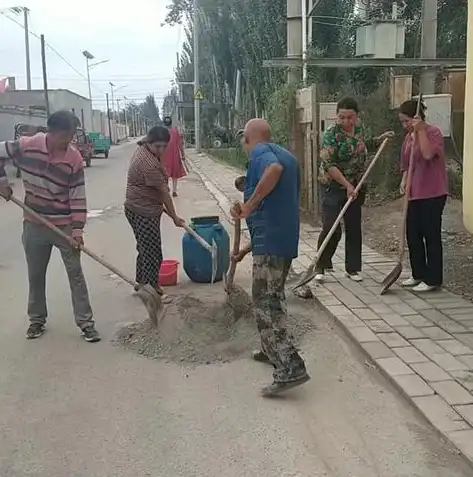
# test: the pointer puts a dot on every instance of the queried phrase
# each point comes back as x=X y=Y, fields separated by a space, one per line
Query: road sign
x=198 y=95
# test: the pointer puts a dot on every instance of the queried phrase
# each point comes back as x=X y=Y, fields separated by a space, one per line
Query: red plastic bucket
x=168 y=273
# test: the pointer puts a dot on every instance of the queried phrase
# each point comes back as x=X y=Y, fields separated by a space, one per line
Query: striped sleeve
x=77 y=199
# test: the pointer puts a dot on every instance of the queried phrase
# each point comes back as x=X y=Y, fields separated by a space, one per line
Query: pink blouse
x=429 y=177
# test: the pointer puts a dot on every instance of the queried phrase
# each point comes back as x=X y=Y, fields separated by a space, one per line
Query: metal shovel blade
x=392 y=278
x=152 y=301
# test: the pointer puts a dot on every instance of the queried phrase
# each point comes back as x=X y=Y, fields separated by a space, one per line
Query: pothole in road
x=201 y=330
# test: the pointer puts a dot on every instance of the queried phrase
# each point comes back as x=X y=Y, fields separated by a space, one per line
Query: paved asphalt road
x=72 y=409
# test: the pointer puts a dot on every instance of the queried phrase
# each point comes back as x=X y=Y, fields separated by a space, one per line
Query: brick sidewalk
x=423 y=343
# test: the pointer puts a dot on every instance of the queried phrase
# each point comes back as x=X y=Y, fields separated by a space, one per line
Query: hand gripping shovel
x=237 y=298
x=147 y=294
x=311 y=271
x=393 y=277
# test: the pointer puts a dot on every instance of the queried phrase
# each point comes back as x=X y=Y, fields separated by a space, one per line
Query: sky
x=141 y=53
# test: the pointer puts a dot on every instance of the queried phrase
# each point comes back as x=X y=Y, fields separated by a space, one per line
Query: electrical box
x=439 y=111
x=327 y=117
x=380 y=39
x=400 y=90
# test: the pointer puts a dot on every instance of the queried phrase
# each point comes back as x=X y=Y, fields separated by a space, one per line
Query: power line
x=147 y=77
x=51 y=48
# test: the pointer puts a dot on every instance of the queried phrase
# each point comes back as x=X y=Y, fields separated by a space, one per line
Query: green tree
x=151 y=110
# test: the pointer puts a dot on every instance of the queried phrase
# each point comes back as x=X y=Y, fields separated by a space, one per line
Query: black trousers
x=147 y=231
x=424 y=239
x=334 y=199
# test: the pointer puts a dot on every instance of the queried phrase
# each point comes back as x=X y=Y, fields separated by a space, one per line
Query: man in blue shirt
x=271 y=210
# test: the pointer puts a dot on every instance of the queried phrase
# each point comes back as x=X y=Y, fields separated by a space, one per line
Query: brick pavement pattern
x=423 y=343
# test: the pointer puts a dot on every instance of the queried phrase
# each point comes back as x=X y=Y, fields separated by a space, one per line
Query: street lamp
x=89 y=56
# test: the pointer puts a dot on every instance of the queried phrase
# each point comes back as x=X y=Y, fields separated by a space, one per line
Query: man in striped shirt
x=53 y=176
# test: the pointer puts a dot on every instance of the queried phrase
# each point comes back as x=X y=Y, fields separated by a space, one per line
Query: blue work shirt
x=274 y=225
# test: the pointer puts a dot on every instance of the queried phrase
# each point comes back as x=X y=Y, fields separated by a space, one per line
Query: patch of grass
x=233 y=157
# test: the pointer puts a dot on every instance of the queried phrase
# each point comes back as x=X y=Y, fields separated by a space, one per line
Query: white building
x=59 y=99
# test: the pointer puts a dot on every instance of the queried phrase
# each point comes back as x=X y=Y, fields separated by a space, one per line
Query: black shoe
x=174 y=194
x=91 y=335
x=35 y=331
x=260 y=356
x=281 y=386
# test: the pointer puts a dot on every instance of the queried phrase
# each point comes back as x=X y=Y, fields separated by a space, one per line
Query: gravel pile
x=201 y=330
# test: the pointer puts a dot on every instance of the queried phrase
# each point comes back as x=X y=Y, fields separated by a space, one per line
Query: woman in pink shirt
x=427 y=198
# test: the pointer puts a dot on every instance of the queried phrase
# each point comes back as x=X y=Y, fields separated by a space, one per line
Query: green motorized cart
x=101 y=144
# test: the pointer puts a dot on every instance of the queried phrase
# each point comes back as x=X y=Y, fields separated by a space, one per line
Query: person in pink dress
x=174 y=156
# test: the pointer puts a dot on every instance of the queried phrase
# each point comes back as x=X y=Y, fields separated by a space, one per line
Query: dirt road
x=68 y=408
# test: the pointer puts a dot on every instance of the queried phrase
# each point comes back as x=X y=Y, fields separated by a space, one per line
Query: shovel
x=147 y=294
x=229 y=277
x=210 y=248
x=237 y=298
x=394 y=275
x=312 y=270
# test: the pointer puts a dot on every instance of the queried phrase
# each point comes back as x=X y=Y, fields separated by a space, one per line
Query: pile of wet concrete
x=202 y=330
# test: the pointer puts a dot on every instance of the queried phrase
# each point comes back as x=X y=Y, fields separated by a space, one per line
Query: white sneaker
x=410 y=282
x=356 y=277
x=320 y=277
x=423 y=287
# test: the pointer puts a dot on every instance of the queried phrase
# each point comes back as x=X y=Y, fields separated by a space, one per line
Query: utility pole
x=196 y=76
x=428 y=47
x=304 y=41
x=294 y=37
x=45 y=75
x=108 y=116
x=113 y=108
x=118 y=110
x=113 y=100
x=118 y=117
x=126 y=116
x=27 y=48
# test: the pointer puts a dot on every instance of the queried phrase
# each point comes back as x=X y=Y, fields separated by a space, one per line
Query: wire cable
x=52 y=49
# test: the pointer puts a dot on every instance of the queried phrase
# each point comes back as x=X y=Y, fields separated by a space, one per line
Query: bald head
x=257 y=131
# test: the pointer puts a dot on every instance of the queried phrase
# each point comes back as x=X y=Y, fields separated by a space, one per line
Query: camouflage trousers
x=269 y=279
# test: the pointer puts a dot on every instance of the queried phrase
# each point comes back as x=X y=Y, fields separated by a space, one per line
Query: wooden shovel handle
x=236 y=249
x=69 y=240
x=193 y=233
x=407 y=190
x=310 y=273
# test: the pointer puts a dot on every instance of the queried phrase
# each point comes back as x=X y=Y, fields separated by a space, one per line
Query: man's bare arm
x=266 y=185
